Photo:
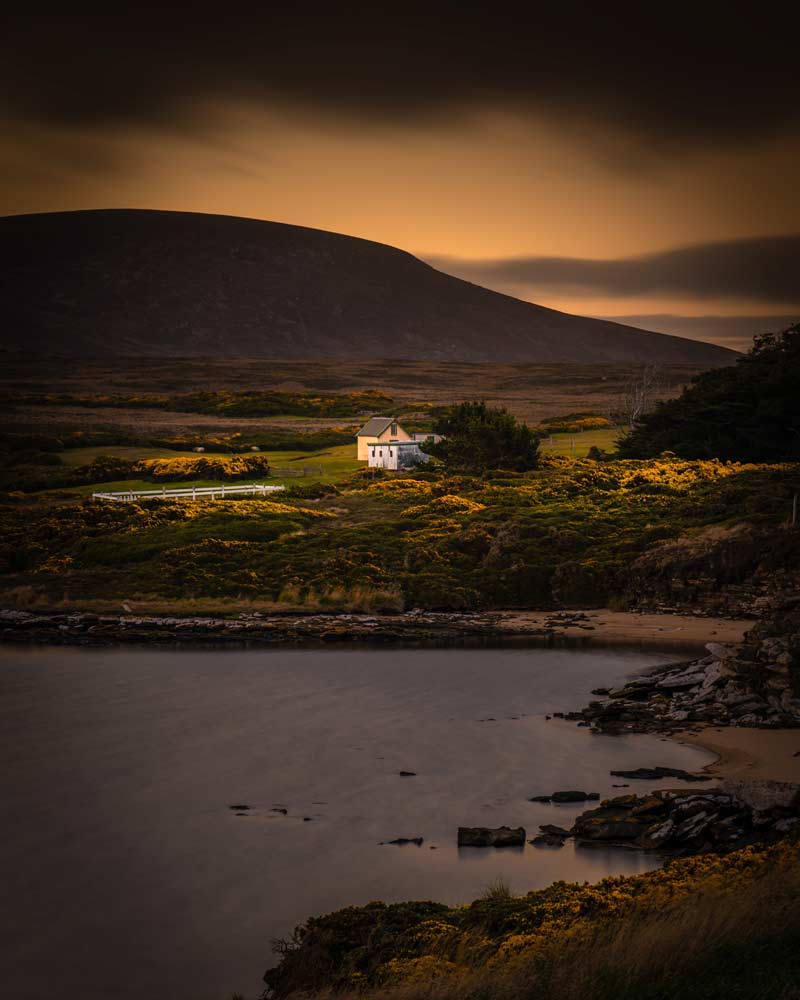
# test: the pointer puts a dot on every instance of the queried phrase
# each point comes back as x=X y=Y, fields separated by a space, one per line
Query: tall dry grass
x=707 y=946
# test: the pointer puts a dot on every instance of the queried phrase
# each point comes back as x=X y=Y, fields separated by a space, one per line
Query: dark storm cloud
x=763 y=270
x=705 y=74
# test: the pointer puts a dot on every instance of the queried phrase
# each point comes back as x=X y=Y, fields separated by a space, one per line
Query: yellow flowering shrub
x=400 y=488
x=411 y=944
x=444 y=506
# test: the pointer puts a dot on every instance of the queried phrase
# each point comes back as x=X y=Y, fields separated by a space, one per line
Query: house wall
x=387 y=455
x=363 y=447
x=365 y=442
x=383 y=456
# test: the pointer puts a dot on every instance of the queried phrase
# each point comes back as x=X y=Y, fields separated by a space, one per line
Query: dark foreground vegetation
x=710 y=926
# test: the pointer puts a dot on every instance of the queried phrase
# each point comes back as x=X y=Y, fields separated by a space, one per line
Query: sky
x=602 y=159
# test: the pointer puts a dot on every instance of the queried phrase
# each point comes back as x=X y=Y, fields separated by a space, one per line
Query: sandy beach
x=627 y=626
x=749 y=753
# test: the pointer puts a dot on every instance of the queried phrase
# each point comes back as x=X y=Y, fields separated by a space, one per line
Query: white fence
x=189 y=492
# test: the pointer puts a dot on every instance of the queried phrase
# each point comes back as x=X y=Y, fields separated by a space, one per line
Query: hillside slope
x=133 y=282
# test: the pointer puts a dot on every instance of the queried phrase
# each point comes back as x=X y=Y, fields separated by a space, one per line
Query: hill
x=131 y=282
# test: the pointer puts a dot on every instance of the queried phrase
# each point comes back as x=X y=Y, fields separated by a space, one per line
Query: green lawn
x=325 y=466
x=578 y=445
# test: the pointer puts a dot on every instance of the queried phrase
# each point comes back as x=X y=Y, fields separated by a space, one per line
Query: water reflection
x=127 y=874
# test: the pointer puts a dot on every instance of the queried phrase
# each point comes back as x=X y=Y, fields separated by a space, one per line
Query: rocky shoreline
x=753 y=684
x=735 y=814
x=257 y=628
x=87 y=629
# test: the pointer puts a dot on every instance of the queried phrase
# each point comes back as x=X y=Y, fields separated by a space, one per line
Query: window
x=393 y=430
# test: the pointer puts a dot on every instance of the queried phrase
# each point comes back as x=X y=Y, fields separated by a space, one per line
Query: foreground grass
x=703 y=927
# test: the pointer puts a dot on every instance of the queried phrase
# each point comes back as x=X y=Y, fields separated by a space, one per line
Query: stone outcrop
x=755 y=683
x=741 y=571
x=731 y=815
x=484 y=836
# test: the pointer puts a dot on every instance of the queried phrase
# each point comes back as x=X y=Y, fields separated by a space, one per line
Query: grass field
x=323 y=467
x=578 y=445
x=326 y=466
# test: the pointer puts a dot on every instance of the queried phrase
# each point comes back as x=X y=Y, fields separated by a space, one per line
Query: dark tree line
x=748 y=412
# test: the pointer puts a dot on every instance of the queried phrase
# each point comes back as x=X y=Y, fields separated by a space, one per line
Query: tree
x=747 y=412
x=637 y=398
x=477 y=437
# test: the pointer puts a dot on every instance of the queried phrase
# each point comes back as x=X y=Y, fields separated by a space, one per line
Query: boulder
x=720 y=652
x=484 y=836
x=557 y=831
x=547 y=840
x=610 y=821
x=762 y=794
x=657 y=835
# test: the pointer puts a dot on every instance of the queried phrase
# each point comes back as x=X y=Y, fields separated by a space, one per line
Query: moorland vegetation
x=693 y=929
x=565 y=533
x=222 y=402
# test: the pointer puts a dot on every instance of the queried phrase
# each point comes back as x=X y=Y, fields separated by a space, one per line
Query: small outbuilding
x=395 y=454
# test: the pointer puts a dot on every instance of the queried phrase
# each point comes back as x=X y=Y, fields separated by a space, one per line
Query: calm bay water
x=125 y=874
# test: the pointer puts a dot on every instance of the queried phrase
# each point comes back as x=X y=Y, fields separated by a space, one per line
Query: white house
x=384 y=444
x=379 y=429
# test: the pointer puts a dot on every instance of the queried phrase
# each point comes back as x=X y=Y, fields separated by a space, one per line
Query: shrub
x=478 y=437
x=203 y=467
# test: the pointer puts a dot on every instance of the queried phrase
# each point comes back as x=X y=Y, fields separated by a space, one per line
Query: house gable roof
x=375 y=426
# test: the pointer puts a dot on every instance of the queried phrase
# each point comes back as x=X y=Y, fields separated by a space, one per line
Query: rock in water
x=484 y=836
x=657 y=773
x=547 y=840
x=575 y=796
x=557 y=831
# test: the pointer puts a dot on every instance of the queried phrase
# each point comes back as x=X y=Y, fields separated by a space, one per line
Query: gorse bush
x=574 y=423
x=620 y=937
x=201 y=467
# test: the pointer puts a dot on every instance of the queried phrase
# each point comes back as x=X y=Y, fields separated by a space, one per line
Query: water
x=125 y=874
